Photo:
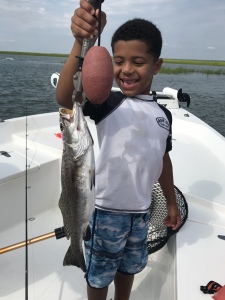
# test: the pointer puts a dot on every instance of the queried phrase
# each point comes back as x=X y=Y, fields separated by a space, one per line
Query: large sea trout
x=77 y=177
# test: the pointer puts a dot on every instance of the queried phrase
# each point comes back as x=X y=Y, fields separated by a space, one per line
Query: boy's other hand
x=84 y=22
x=173 y=218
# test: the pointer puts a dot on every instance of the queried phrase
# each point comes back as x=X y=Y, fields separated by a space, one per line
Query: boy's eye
x=117 y=62
x=138 y=63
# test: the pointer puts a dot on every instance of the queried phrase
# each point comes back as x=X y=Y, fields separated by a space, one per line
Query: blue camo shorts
x=118 y=243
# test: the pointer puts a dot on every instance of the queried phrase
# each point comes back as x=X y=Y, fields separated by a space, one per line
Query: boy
x=134 y=145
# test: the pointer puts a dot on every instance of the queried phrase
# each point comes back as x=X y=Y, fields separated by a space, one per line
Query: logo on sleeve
x=163 y=123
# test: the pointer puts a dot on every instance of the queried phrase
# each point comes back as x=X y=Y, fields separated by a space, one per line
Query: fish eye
x=61 y=126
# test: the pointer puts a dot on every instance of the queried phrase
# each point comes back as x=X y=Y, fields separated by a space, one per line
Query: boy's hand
x=173 y=218
x=84 y=22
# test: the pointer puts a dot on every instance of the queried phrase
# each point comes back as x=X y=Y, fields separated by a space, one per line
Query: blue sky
x=191 y=29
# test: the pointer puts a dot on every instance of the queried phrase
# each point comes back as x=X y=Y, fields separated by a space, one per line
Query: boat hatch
x=13 y=166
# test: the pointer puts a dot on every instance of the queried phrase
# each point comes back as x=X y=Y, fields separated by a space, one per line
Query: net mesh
x=158 y=232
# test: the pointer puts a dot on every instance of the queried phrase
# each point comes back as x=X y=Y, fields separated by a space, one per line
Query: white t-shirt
x=133 y=134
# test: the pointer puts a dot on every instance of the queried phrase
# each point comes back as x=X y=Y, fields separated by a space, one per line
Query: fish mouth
x=65 y=111
x=66 y=118
x=66 y=114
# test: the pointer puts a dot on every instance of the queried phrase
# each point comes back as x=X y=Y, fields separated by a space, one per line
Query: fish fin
x=72 y=260
x=87 y=235
x=92 y=178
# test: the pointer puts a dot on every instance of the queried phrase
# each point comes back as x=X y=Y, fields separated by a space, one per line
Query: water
x=25 y=86
x=25 y=83
x=207 y=95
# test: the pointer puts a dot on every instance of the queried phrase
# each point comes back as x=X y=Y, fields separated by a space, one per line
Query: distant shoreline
x=214 y=63
x=33 y=54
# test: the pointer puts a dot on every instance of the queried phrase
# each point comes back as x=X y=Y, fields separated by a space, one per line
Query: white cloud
x=7 y=41
x=41 y=10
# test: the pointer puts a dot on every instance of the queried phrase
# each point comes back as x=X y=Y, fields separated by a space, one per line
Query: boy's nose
x=127 y=68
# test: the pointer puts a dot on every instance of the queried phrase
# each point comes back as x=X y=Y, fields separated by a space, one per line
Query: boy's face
x=134 y=67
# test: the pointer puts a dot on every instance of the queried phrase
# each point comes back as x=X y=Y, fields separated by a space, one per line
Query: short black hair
x=142 y=30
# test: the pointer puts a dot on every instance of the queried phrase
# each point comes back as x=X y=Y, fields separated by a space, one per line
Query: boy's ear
x=158 y=65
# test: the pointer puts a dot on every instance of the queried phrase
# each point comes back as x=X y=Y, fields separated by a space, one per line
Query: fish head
x=75 y=132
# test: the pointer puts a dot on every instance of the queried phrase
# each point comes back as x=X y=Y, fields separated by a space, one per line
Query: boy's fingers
x=173 y=222
x=176 y=222
x=82 y=28
x=83 y=24
x=87 y=6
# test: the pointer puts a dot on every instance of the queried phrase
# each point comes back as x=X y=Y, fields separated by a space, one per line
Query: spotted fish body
x=77 y=178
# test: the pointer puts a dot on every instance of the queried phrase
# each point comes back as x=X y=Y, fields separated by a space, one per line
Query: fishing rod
x=26 y=215
x=58 y=233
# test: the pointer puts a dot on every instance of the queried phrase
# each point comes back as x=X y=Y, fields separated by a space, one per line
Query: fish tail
x=74 y=260
x=87 y=235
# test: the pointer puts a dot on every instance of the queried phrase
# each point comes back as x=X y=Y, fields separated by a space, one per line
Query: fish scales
x=77 y=179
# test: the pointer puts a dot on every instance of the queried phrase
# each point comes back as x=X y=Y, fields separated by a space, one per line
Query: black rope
x=99 y=23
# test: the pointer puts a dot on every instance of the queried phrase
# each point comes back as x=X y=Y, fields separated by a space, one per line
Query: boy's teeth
x=129 y=82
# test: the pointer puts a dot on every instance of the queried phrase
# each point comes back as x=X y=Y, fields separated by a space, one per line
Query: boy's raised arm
x=84 y=24
x=65 y=86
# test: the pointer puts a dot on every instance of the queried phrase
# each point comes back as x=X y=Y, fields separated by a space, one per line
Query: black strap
x=211 y=288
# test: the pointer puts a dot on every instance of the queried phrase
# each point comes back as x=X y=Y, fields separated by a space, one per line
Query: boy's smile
x=134 y=67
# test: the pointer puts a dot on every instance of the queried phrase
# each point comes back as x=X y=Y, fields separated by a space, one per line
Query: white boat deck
x=48 y=279
x=200 y=253
x=199 y=172
x=199 y=153
x=190 y=259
